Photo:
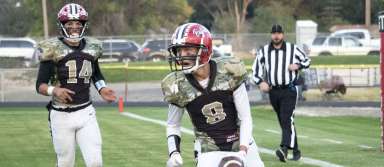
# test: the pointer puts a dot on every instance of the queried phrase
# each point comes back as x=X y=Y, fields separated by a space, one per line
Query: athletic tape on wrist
x=50 y=90
x=100 y=84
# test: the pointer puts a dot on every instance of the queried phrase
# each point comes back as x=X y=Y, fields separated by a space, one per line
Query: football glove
x=175 y=160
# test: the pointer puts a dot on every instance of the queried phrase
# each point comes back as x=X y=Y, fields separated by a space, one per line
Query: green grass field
x=25 y=139
x=114 y=72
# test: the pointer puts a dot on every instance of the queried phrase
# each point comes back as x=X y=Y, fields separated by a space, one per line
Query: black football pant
x=283 y=101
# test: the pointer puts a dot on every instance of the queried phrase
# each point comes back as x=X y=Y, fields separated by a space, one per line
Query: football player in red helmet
x=72 y=21
x=213 y=93
x=191 y=48
x=68 y=65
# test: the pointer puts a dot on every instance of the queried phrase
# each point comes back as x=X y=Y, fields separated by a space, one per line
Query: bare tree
x=229 y=11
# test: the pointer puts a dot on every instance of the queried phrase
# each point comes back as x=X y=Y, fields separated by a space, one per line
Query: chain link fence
x=18 y=85
x=142 y=47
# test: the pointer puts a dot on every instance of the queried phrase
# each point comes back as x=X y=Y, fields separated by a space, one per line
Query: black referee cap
x=277 y=28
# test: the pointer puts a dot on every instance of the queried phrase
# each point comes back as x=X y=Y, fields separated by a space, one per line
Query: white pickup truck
x=340 y=46
x=361 y=34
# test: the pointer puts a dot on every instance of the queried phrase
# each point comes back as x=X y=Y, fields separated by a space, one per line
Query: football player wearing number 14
x=212 y=92
x=68 y=65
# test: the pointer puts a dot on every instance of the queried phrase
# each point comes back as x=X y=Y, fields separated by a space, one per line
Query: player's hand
x=264 y=87
x=108 y=94
x=243 y=152
x=63 y=95
x=175 y=160
x=293 y=67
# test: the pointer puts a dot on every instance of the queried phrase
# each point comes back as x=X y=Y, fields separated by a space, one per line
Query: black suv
x=155 y=50
x=120 y=50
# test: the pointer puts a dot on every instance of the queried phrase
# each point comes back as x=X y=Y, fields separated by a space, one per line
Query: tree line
x=133 y=17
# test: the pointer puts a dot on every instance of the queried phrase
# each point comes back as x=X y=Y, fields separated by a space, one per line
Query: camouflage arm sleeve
x=46 y=51
x=235 y=67
x=171 y=90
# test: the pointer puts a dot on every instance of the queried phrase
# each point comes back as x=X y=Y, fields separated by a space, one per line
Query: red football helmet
x=72 y=12
x=190 y=35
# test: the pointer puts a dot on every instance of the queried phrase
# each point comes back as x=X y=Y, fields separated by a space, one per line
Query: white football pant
x=79 y=127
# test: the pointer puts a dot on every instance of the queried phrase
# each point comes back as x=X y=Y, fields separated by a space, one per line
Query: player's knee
x=65 y=160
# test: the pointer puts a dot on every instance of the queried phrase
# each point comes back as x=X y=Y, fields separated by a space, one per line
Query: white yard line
x=305 y=160
x=301 y=136
x=365 y=146
x=278 y=132
x=272 y=131
x=323 y=139
x=332 y=141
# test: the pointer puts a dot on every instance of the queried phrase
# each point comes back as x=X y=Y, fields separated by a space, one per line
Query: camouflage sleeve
x=170 y=89
x=99 y=49
x=46 y=50
x=95 y=45
x=236 y=69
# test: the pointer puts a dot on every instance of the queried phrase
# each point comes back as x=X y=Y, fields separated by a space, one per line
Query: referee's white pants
x=79 y=127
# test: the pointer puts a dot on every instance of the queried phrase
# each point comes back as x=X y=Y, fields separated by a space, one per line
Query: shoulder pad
x=47 y=49
x=93 y=47
x=234 y=68
x=171 y=89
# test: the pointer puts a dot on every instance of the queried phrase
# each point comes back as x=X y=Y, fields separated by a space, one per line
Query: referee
x=275 y=70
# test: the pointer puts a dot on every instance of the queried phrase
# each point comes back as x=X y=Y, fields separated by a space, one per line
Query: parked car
x=218 y=53
x=221 y=45
x=120 y=50
x=363 y=35
x=21 y=49
x=155 y=50
x=340 y=45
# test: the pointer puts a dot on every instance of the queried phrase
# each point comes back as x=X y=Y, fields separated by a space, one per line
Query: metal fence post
x=2 y=86
x=350 y=76
x=368 y=76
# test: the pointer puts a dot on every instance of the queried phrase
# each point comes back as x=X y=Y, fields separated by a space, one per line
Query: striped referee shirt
x=271 y=64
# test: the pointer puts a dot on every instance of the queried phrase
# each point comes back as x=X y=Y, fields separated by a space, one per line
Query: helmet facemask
x=76 y=37
x=186 y=63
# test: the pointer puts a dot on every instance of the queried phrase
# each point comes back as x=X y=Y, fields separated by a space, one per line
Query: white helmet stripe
x=176 y=34
x=202 y=39
x=72 y=12
x=181 y=32
x=75 y=9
